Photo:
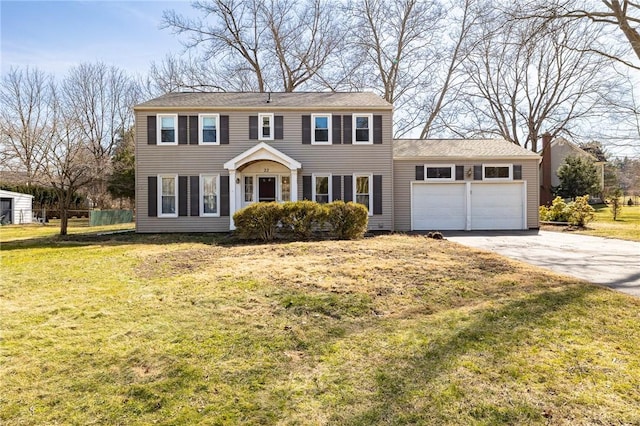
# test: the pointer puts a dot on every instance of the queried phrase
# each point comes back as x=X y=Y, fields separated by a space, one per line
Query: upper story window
x=363 y=191
x=167 y=196
x=167 y=129
x=321 y=188
x=362 y=132
x=208 y=129
x=440 y=172
x=265 y=126
x=497 y=171
x=321 y=134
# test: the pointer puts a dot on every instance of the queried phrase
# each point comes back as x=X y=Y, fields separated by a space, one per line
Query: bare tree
x=281 y=44
x=528 y=77
x=24 y=120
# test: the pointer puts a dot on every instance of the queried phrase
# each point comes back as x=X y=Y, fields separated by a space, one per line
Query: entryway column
x=232 y=198
x=294 y=185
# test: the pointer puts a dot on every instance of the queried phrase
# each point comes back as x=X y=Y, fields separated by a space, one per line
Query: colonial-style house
x=202 y=156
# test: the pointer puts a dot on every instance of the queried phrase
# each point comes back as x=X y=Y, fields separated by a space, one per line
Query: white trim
x=201 y=195
x=159 y=196
x=271 y=126
x=355 y=186
x=353 y=129
x=201 y=118
x=492 y=179
x=313 y=129
x=329 y=186
x=452 y=167
x=262 y=151
x=159 y=118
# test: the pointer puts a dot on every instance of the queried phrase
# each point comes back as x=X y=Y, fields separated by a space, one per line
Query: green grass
x=181 y=329
x=626 y=227
x=76 y=226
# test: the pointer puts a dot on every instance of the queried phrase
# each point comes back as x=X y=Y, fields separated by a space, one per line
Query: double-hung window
x=321 y=134
x=362 y=131
x=248 y=189
x=208 y=129
x=321 y=188
x=167 y=126
x=265 y=126
x=363 y=191
x=497 y=171
x=285 y=188
x=168 y=196
x=209 y=200
x=440 y=172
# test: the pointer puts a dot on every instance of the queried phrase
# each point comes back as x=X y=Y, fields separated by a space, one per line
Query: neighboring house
x=15 y=207
x=560 y=149
x=202 y=156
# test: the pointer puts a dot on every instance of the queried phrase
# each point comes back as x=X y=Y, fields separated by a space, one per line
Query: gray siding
x=192 y=160
x=404 y=173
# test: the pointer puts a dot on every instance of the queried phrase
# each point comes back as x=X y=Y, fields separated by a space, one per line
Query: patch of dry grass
x=388 y=330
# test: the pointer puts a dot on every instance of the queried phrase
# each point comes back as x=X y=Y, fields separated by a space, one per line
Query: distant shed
x=15 y=207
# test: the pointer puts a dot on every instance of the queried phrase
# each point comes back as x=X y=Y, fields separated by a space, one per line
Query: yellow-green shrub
x=347 y=221
x=301 y=218
x=259 y=221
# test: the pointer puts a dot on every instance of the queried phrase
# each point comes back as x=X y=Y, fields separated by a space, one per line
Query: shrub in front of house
x=577 y=212
x=301 y=218
x=347 y=221
x=259 y=221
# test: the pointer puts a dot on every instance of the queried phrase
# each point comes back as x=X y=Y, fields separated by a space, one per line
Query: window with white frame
x=321 y=129
x=167 y=129
x=322 y=188
x=497 y=171
x=362 y=132
x=168 y=196
x=248 y=189
x=363 y=190
x=440 y=172
x=208 y=129
x=265 y=126
x=209 y=195
x=285 y=188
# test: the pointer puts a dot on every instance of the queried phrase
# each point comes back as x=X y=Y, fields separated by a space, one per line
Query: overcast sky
x=55 y=35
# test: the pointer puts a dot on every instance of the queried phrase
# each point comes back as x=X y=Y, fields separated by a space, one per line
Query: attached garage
x=464 y=185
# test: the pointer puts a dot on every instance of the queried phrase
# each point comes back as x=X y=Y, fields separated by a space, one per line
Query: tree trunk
x=64 y=220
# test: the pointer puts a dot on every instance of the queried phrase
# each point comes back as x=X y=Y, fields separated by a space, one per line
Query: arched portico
x=261 y=173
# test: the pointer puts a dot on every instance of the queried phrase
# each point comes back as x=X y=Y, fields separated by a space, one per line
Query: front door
x=266 y=189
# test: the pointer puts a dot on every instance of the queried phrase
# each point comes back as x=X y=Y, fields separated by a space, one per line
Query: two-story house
x=202 y=156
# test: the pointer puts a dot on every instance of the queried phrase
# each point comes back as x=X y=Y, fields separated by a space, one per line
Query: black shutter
x=193 y=130
x=377 y=129
x=224 y=130
x=152 y=208
x=279 y=127
x=348 y=188
x=194 y=195
x=419 y=172
x=152 y=137
x=183 y=201
x=306 y=129
x=253 y=127
x=346 y=129
x=517 y=172
x=183 y=125
x=336 y=187
x=459 y=172
x=477 y=172
x=224 y=195
x=336 y=123
x=377 y=194
x=307 y=193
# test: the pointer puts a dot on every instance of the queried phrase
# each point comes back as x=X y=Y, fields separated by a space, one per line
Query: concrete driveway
x=609 y=262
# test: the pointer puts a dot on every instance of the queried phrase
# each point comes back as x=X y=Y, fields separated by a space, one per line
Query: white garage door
x=438 y=206
x=443 y=206
x=497 y=205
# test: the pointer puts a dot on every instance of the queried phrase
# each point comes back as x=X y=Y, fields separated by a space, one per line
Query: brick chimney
x=545 y=188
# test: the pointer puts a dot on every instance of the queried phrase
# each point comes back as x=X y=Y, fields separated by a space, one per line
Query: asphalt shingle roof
x=458 y=148
x=259 y=100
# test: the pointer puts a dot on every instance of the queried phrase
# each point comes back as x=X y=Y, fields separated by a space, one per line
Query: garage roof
x=405 y=149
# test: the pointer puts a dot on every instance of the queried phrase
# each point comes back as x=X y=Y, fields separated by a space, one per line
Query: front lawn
x=395 y=329
x=626 y=227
